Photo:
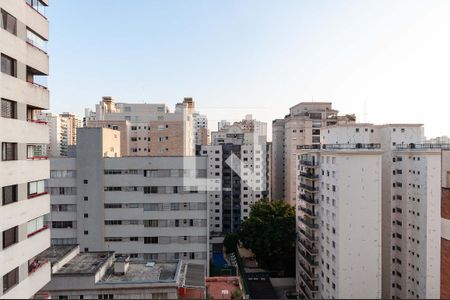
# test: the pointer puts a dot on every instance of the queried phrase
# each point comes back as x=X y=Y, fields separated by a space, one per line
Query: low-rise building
x=102 y=275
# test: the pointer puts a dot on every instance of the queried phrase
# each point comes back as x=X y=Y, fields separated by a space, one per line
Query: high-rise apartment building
x=237 y=163
x=151 y=208
x=338 y=212
x=202 y=135
x=24 y=63
x=63 y=132
x=148 y=129
x=302 y=126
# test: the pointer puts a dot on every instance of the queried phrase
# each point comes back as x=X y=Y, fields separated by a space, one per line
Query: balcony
x=309 y=163
x=37 y=231
x=308 y=223
x=308 y=258
x=309 y=188
x=310 y=200
x=309 y=175
x=37 y=195
x=307 y=295
x=308 y=212
x=38 y=121
x=310 y=272
x=309 y=284
x=308 y=247
x=35 y=265
x=309 y=236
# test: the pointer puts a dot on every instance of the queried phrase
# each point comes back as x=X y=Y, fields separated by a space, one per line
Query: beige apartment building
x=24 y=202
x=302 y=126
x=63 y=132
x=148 y=129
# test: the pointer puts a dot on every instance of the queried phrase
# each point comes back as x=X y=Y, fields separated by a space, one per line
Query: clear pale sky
x=260 y=57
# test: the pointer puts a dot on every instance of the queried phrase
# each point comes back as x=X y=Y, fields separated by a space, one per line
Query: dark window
x=86 y=198
x=9 y=65
x=8 y=22
x=10 y=279
x=151 y=240
x=86 y=215
x=134 y=239
x=85 y=181
x=9 y=194
x=9 y=151
x=9 y=109
x=10 y=237
x=62 y=224
x=86 y=232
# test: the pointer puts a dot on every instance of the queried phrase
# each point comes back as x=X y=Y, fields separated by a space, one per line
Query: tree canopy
x=270 y=233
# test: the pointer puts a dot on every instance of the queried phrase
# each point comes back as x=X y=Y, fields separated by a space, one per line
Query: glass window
x=8 y=22
x=10 y=279
x=10 y=237
x=9 y=109
x=36 y=40
x=38 y=5
x=9 y=194
x=9 y=151
x=9 y=65
x=36 y=188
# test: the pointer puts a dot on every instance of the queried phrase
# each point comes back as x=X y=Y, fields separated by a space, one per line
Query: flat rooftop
x=140 y=272
x=87 y=263
x=56 y=253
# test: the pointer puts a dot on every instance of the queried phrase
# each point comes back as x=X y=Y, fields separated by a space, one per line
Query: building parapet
x=425 y=146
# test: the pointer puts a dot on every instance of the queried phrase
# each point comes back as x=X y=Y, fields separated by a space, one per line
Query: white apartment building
x=302 y=126
x=237 y=167
x=339 y=222
x=202 y=134
x=148 y=129
x=24 y=62
x=151 y=208
x=416 y=225
x=63 y=132
x=445 y=223
x=102 y=275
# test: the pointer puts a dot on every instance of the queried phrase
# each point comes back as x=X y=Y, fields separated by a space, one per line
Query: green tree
x=270 y=233
x=230 y=242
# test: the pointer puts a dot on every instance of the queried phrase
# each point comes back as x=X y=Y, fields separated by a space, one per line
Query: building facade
x=152 y=208
x=23 y=93
x=62 y=132
x=339 y=222
x=302 y=126
x=445 y=219
x=236 y=162
x=151 y=129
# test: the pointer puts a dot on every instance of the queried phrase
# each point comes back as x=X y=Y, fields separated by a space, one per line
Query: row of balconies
x=310 y=200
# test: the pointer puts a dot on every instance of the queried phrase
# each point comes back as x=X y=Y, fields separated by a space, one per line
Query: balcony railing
x=309 y=163
x=36 y=265
x=309 y=284
x=311 y=274
x=37 y=231
x=309 y=188
x=309 y=212
x=308 y=258
x=413 y=146
x=38 y=121
x=38 y=157
x=309 y=236
x=37 y=195
x=310 y=224
x=309 y=175
x=310 y=200
x=310 y=248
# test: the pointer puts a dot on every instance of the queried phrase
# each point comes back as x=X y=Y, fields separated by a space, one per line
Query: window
x=9 y=109
x=150 y=223
x=8 y=22
x=151 y=240
x=10 y=237
x=134 y=239
x=86 y=232
x=105 y=296
x=9 y=151
x=10 y=279
x=9 y=194
x=85 y=181
x=86 y=198
x=86 y=216
x=9 y=65
x=36 y=40
x=36 y=188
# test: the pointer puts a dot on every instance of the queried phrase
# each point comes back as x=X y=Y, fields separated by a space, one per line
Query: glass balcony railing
x=38 y=6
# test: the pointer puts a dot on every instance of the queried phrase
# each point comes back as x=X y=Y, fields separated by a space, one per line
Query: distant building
x=201 y=132
x=150 y=208
x=302 y=126
x=445 y=221
x=102 y=275
x=236 y=160
x=148 y=129
x=63 y=132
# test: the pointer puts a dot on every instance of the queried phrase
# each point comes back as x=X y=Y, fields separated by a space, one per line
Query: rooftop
x=87 y=263
x=56 y=253
x=141 y=272
x=222 y=287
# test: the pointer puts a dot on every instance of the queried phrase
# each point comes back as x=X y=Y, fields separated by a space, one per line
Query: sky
x=386 y=61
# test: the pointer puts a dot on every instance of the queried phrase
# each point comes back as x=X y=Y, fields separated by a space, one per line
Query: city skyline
x=235 y=59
